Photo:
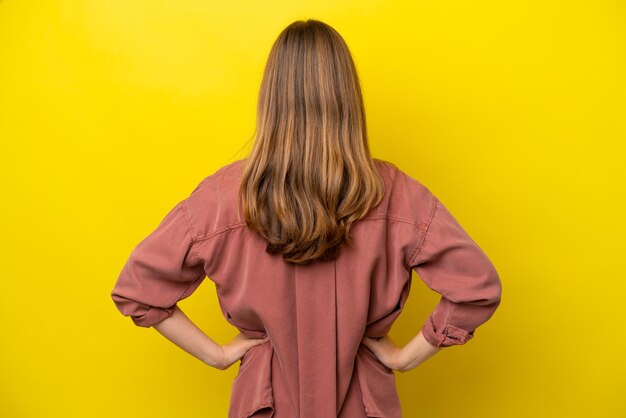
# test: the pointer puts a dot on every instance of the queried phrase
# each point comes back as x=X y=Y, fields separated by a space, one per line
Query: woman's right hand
x=387 y=352
x=237 y=348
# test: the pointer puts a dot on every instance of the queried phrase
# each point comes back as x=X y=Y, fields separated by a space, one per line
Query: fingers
x=251 y=342
x=367 y=341
x=261 y=340
x=373 y=345
x=379 y=346
x=243 y=336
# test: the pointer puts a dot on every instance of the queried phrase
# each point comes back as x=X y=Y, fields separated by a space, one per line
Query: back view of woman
x=311 y=244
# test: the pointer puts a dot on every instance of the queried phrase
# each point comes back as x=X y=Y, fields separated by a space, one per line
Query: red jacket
x=314 y=364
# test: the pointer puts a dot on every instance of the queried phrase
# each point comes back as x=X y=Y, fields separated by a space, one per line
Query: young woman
x=311 y=244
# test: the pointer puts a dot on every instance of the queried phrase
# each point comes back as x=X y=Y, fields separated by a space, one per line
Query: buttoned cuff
x=448 y=336
x=152 y=316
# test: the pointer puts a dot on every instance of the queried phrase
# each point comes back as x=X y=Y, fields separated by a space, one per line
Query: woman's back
x=314 y=364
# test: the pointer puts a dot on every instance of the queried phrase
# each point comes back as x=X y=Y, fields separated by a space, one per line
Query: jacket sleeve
x=453 y=265
x=160 y=271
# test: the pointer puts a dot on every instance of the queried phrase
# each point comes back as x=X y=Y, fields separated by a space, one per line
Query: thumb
x=261 y=340
x=368 y=341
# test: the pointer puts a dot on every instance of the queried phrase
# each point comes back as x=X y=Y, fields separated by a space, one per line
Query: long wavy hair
x=309 y=175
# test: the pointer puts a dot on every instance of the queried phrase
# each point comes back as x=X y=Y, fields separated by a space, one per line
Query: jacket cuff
x=448 y=336
x=152 y=316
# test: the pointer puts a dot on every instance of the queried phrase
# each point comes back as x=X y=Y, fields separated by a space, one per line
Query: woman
x=311 y=244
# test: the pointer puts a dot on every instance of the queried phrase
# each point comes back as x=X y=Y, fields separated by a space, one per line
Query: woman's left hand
x=387 y=352
x=236 y=349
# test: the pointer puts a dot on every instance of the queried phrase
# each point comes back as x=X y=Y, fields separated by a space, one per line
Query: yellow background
x=512 y=112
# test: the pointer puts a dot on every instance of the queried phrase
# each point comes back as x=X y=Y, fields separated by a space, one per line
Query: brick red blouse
x=314 y=364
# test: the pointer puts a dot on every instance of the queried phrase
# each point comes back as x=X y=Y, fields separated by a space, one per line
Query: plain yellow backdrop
x=512 y=112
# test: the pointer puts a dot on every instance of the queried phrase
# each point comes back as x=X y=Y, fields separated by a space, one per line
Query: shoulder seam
x=395 y=175
x=194 y=254
x=220 y=231
x=420 y=245
x=237 y=225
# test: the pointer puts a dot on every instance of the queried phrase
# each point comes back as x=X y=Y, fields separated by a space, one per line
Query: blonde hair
x=309 y=175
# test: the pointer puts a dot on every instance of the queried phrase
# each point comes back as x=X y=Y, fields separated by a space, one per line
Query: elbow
x=496 y=285
x=491 y=292
x=484 y=289
x=141 y=314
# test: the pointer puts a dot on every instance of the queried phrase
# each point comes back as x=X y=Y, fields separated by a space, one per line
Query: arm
x=180 y=330
x=417 y=351
x=402 y=359
x=450 y=262
x=163 y=269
